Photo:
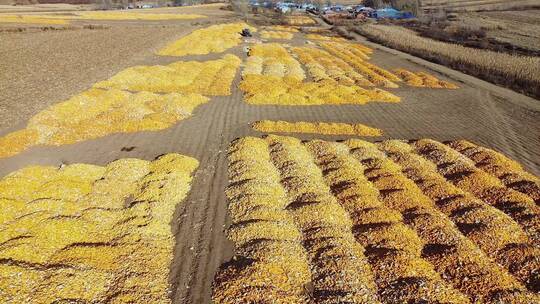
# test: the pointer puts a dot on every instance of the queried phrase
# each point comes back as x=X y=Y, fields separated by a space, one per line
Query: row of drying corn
x=324 y=67
x=91 y=234
x=213 y=39
x=340 y=271
x=283 y=35
x=462 y=264
x=211 y=77
x=423 y=79
x=272 y=59
x=493 y=231
x=110 y=107
x=357 y=58
x=273 y=76
x=385 y=222
x=270 y=263
x=393 y=248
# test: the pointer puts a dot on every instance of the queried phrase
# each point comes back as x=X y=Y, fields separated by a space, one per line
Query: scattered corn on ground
x=423 y=79
x=282 y=35
x=97 y=113
x=282 y=28
x=135 y=16
x=90 y=234
x=93 y=15
x=270 y=126
x=299 y=20
x=213 y=39
x=273 y=76
x=32 y=19
x=391 y=222
x=325 y=38
x=211 y=77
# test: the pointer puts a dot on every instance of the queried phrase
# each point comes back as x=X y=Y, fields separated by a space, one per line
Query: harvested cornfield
x=521 y=73
x=211 y=77
x=362 y=222
x=281 y=35
x=97 y=113
x=273 y=76
x=423 y=80
x=329 y=128
x=85 y=233
x=213 y=39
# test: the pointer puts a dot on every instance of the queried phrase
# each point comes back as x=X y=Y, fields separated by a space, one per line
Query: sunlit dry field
x=157 y=156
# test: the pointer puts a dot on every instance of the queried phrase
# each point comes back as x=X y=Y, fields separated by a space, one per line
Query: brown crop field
x=167 y=156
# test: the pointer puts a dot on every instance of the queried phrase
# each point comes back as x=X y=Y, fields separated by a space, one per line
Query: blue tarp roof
x=389 y=13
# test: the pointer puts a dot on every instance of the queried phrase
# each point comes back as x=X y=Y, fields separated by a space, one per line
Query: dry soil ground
x=518 y=28
x=42 y=68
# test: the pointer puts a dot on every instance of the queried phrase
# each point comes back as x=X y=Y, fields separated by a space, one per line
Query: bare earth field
x=41 y=68
x=43 y=61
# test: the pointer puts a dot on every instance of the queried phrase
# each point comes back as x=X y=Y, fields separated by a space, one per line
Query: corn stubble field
x=148 y=186
x=521 y=73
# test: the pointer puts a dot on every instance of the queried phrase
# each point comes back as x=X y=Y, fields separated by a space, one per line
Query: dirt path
x=483 y=113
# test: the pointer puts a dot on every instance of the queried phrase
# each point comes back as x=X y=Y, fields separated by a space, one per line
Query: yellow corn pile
x=272 y=59
x=423 y=79
x=350 y=219
x=356 y=55
x=33 y=19
x=330 y=128
x=273 y=76
x=92 y=234
x=213 y=39
x=324 y=67
x=282 y=28
x=283 y=35
x=135 y=16
x=260 y=89
x=299 y=20
x=93 y=15
x=211 y=77
x=325 y=38
x=97 y=113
